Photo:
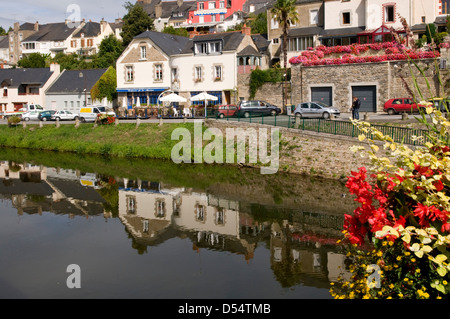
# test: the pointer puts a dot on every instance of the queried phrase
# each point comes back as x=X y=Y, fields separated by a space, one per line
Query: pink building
x=214 y=10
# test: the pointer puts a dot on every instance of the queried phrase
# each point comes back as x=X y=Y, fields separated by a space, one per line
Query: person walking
x=355 y=108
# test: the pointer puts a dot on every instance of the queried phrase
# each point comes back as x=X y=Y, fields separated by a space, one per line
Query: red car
x=400 y=105
x=226 y=110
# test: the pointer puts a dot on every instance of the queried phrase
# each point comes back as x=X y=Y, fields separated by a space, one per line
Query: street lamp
x=85 y=97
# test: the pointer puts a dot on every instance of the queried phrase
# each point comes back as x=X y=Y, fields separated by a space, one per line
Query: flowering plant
x=403 y=216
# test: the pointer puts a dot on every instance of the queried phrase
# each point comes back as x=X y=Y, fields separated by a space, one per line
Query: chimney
x=179 y=3
x=16 y=26
x=246 y=30
x=55 y=68
x=103 y=25
x=158 y=10
x=36 y=26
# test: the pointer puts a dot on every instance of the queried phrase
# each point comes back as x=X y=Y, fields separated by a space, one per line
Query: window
x=345 y=17
x=207 y=48
x=314 y=16
x=218 y=72
x=300 y=43
x=221 y=17
x=174 y=74
x=129 y=73
x=201 y=6
x=213 y=18
x=274 y=23
x=222 y=4
x=73 y=43
x=131 y=204
x=200 y=213
x=201 y=19
x=252 y=8
x=143 y=52
x=214 y=47
x=275 y=40
x=423 y=19
x=198 y=73
x=158 y=72
x=211 y=5
x=389 y=13
x=445 y=6
x=160 y=210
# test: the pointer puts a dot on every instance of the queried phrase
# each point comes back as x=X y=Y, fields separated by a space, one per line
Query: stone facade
x=391 y=79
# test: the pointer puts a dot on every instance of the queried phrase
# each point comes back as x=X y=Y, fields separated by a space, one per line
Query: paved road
x=280 y=120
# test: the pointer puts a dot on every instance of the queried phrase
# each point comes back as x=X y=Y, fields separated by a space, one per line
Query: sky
x=48 y=11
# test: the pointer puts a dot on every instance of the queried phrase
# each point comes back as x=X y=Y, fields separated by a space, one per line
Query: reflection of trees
x=110 y=193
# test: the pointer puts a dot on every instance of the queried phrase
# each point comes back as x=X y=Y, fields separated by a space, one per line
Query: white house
x=25 y=86
x=155 y=62
x=87 y=39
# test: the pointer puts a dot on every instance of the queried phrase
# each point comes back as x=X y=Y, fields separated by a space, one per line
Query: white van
x=89 y=113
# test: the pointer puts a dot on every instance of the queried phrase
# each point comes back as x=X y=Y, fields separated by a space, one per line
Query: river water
x=90 y=227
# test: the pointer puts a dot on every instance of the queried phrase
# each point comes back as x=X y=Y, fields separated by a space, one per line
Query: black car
x=256 y=108
x=46 y=115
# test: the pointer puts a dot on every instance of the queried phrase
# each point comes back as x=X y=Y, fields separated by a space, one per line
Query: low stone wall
x=309 y=153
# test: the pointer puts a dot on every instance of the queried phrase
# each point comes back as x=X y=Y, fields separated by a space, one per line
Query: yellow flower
x=399 y=258
x=445 y=282
x=418 y=270
x=400 y=295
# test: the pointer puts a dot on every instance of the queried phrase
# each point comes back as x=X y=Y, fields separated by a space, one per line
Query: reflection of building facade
x=34 y=189
x=306 y=244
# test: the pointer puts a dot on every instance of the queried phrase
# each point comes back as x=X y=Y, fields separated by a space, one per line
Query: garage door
x=322 y=94
x=367 y=96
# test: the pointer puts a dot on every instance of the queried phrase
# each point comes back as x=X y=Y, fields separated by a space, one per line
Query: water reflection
x=299 y=234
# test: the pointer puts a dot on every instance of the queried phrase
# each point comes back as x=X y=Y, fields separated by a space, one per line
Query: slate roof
x=168 y=7
x=4 y=42
x=261 y=42
x=27 y=26
x=342 y=31
x=90 y=29
x=70 y=82
x=170 y=44
x=51 y=32
x=249 y=51
x=231 y=40
x=18 y=76
x=296 y=32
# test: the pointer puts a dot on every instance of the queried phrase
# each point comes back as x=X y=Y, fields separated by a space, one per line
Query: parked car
x=46 y=115
x=440 y=103
x=90 y=113
x=400 y=105
x=64 y=115
x=315 y=110
x=30 y=115
x=256 y=107
x=226 y=110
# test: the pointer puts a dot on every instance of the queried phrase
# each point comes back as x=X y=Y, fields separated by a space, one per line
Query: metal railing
x=330 y=126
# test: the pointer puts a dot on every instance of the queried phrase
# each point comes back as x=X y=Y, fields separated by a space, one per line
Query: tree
x=109 y=51
x=34 y=60
x=105 y=86
x=259 y=23
x=176 y=31
x=2 y=31
x=135 y=22
x=72 y=61
x=285 y=13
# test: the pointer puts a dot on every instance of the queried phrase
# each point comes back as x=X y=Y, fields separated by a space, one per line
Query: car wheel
x=246 y=114
x=44 y=119
x=75 y=118
x=326 y=115
x=391 y=111
x=298 y=115
x=221 y=115
x=83 y=120
x=27 y=119
x=273 y=112
x=58 y=119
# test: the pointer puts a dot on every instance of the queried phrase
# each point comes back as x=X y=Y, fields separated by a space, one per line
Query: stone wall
x=391 y=79
x=310 y=153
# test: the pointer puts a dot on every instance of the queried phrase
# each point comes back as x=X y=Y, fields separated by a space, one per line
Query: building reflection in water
x=302 y=244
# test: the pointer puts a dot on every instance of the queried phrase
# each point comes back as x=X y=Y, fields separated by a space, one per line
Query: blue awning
x=142 y=89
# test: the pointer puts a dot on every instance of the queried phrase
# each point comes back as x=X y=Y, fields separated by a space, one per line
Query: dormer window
x=143 y=52
x=208 y=47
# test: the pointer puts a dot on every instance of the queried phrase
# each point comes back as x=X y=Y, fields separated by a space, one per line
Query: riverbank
x=300 y=152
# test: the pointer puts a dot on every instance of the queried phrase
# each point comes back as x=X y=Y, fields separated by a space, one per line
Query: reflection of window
x=145 y=226
x=160 y=209
x=200 y=212
x=220 y=217
x=131 y=204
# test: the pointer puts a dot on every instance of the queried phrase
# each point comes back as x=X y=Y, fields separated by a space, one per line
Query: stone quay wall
x=308 y=153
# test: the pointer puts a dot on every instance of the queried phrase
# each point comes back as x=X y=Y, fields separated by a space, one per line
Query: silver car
x=315 y=110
